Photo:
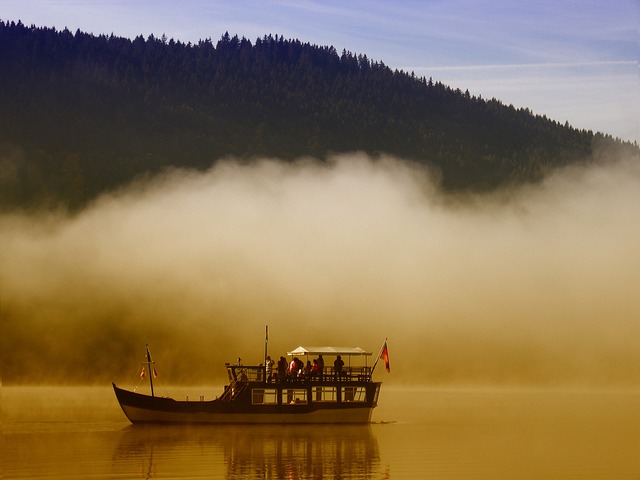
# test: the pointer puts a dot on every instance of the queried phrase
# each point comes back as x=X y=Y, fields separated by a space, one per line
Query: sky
x=574 y=61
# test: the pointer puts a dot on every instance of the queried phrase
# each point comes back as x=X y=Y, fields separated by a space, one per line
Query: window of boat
x=264 y=396
x=354 y=394
x=293 y=396
x=324 y=394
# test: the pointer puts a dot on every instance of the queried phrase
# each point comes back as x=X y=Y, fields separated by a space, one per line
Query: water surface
x=80 y=432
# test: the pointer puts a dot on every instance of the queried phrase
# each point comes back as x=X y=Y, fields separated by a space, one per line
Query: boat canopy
x=328 y=351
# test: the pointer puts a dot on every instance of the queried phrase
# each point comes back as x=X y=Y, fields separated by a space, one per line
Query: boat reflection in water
x=249 y=451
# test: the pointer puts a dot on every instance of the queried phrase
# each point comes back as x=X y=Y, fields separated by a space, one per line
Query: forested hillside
x=81 y=114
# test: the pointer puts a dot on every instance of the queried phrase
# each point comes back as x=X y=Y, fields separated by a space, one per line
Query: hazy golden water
x=80 y=432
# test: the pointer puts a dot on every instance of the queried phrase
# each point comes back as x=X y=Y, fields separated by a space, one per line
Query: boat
x=340 y=394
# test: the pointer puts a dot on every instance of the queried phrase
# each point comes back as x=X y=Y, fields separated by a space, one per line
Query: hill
x=81 y=114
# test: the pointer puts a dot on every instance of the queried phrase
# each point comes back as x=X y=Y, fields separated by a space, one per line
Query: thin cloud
x=523 y=66
x=570 y=91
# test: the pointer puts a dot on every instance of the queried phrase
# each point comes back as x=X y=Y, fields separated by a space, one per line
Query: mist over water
x=535 y=285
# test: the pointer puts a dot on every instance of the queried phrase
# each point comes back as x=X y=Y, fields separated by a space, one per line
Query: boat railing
x=232 y=391
x=251 y=373
x=351 y=374
x=243 y=373
x=348 y=374
x=227 y=394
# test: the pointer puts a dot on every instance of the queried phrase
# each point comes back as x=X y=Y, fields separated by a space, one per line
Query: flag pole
x=378 y=357
x=149 y=363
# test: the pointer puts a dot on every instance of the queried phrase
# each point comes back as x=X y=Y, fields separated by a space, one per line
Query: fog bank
x=531 y=285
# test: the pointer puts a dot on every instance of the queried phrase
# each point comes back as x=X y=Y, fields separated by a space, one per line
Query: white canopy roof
x=328 y=351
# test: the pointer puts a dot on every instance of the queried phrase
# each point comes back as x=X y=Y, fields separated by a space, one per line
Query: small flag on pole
x=155 y=374
x=384 y=354
x=143 y=373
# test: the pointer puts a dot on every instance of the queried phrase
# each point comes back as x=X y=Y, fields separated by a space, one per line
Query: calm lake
x=421 y=433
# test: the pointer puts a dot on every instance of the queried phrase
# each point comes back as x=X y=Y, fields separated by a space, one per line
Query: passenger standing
x=315 y=369
x=321 y=366
x=295 y=368
x=337 y=366
x=269 y=369
x=282 y=369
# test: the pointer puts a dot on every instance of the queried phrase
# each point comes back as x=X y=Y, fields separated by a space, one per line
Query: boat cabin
x=352 y=384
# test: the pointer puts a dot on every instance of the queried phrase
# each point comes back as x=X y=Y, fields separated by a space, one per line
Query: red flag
x=143 y=373
x=384 y=355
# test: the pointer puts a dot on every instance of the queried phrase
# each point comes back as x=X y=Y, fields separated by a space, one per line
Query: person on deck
x=321 y=366
x=315 y=369
x=307 y=370
x=269 y=369
x=282 y=369
x=295 y=368
x=337 y=366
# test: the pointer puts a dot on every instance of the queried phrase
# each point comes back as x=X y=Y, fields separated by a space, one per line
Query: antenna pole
x=266 y=345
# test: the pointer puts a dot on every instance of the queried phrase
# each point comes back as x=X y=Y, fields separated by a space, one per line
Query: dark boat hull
x=141 y=408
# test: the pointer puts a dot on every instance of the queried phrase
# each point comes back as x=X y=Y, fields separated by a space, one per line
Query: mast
x=149 y=363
